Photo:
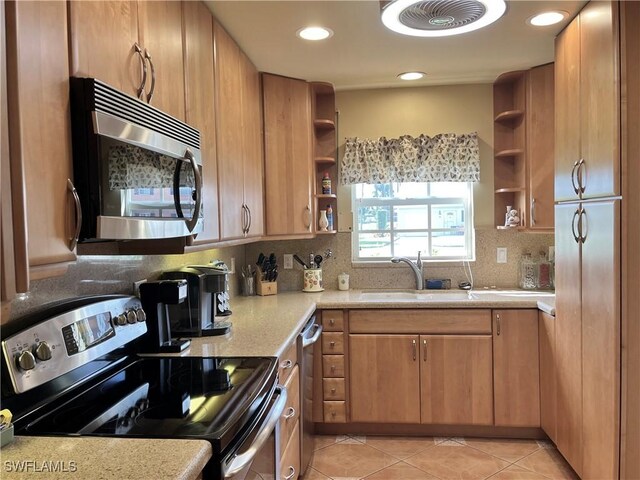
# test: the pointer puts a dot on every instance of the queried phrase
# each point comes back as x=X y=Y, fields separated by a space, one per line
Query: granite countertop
x=49 y=458
x=265 y=326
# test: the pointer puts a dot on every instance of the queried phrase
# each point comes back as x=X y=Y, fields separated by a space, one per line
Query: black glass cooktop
x=180 y=397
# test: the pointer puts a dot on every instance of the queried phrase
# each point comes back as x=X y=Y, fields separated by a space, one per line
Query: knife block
x=265 y=288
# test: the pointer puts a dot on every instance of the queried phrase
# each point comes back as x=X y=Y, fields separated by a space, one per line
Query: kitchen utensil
x=312 y=280
x=299 y=260
x=272 y=260
x=260 y=259
x=317 y=260
x=312 y=260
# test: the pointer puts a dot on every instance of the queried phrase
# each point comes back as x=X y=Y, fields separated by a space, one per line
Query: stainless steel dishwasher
x=307 y=344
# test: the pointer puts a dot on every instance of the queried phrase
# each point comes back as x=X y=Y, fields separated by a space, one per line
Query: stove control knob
x=121 y=319
x=42 y=351
x=142 y=317
x=26 y=361
x=131 y=317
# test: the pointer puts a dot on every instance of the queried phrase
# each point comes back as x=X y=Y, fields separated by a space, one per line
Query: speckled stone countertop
x=265 y=326
x=103 y=458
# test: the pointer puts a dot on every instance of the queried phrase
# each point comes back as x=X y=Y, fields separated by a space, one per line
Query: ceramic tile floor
x=350 y=457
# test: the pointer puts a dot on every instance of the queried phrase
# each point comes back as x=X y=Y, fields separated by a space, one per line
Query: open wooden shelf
x=510 y=190
x=511 y=152
x=323 y=124
x=325 y=160
x=328 y=232
x=509 y=117
x=502 y=227
x=324 y=195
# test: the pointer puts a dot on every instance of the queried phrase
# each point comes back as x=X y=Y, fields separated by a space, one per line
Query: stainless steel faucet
x=416 y=267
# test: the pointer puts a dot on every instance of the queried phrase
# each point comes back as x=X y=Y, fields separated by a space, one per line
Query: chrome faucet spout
x=416 y=267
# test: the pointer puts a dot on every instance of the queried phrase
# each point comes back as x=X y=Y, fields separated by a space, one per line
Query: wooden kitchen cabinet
x=587 y=88
x=516 y=368
x=102 y=40
x=238 y=127
x=40 y=138
x=547 y=353
x=160 y=33
x=288 y=155
x=455 y=379
x=200 y=106
x=385 y=378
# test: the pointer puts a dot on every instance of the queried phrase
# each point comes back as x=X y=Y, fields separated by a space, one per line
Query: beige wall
x=412 y=111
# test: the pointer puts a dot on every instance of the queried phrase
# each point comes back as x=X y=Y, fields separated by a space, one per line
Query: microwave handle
x=191 y=224
x=241 y=461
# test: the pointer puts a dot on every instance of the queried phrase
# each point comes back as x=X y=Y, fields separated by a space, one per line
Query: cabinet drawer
x=333 y=366
x=290 y=459
x=332 y=321
x=291 y=413
x=335 y=412
x=445 y=321
x=332 y=343
x=286 y=362
x=333 y=388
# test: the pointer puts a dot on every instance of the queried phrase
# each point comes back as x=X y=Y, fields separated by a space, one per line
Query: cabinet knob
x=286 y=364
x=333 y=344
x=332 y=321
x=291 y=412
x=333 y=390
x=333 y=368
x=292 y=473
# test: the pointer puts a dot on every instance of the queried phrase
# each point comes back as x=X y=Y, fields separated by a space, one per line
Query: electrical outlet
x=502 y=255
x=288 y=261
x=233 y=265
x=136 y=286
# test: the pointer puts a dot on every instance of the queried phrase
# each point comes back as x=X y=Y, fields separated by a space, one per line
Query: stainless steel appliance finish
x=71 y=339
x=137 y=170
x=307 y=344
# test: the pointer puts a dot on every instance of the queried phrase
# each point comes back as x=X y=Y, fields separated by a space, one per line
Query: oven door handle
x=314 y=338
x=241 y=461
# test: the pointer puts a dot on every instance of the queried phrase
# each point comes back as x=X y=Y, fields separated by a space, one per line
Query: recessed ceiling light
x=411 y=75
x=548 y=18
x=440 y=18
x=314 y=33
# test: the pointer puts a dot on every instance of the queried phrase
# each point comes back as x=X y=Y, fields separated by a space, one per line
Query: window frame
x=469 y=230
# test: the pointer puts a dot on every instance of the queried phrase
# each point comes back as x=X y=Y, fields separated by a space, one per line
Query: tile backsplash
x=486 y=271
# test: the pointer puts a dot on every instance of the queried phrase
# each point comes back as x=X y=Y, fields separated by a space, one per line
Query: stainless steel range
x=71 y=369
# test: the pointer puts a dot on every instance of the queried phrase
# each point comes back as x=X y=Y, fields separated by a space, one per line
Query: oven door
x=257 y=458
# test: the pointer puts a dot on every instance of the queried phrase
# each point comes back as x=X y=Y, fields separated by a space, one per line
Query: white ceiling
x=364 y=54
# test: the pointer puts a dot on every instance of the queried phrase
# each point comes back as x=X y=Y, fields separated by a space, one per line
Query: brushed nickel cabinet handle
x=576 y=215
x=533 y=211
x=415 y=349
x=73 y=241
x=152 y=89
x=580 y=176
x=245 y=230
x=424 y=347
x=291 y=474
x=498 y=324
x=191 y=224
x=138 y=50
x=582 y=227
x=250 y=221
x=576 y=187
x=307 y=225
x=291 y=412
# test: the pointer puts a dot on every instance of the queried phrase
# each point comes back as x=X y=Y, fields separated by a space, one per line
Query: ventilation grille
x=108 y=100
x=442 y=14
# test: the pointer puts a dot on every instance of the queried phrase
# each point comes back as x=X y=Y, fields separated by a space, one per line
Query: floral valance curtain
x=446 y=157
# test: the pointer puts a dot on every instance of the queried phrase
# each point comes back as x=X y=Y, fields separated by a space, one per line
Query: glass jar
x=528 y=272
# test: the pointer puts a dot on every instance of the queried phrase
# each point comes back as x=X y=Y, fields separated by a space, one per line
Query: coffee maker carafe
x=196 y=317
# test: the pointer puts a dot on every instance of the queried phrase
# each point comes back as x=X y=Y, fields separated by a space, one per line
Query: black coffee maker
x=197 y=316
x=156 y=298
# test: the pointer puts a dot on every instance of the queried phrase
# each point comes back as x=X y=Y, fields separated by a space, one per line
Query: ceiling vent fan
x=438 y=18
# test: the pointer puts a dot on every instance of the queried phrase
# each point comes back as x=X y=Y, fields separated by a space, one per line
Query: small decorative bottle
x=329 y=217
x=323 y=222
x=326 y=184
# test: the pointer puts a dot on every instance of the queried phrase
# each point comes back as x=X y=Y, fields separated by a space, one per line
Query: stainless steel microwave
x=137 y=171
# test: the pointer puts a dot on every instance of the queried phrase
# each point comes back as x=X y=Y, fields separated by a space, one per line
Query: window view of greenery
x=400 y=219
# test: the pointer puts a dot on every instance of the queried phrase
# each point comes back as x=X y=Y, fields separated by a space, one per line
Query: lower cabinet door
x=385 y=378
x=456 y=379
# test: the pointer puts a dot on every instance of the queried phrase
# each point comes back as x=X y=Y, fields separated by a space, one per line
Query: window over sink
x=400 y=219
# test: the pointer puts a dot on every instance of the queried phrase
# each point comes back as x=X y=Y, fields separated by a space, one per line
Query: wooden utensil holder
x=264 y=288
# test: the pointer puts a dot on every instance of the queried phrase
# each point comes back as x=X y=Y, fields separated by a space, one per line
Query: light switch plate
x=288 y=261
x=501 y=255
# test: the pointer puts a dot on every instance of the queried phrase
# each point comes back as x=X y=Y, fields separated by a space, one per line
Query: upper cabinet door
x=40 y=130
x=600 y=95
x=200 y=106
x=567 y=111
x=229 y=135
x=252 y=147
x=103 y=36
x=161 y=36
x=540 y=146
x=288 y=143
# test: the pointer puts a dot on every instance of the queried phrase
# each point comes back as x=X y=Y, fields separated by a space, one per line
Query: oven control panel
x=69 y=340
